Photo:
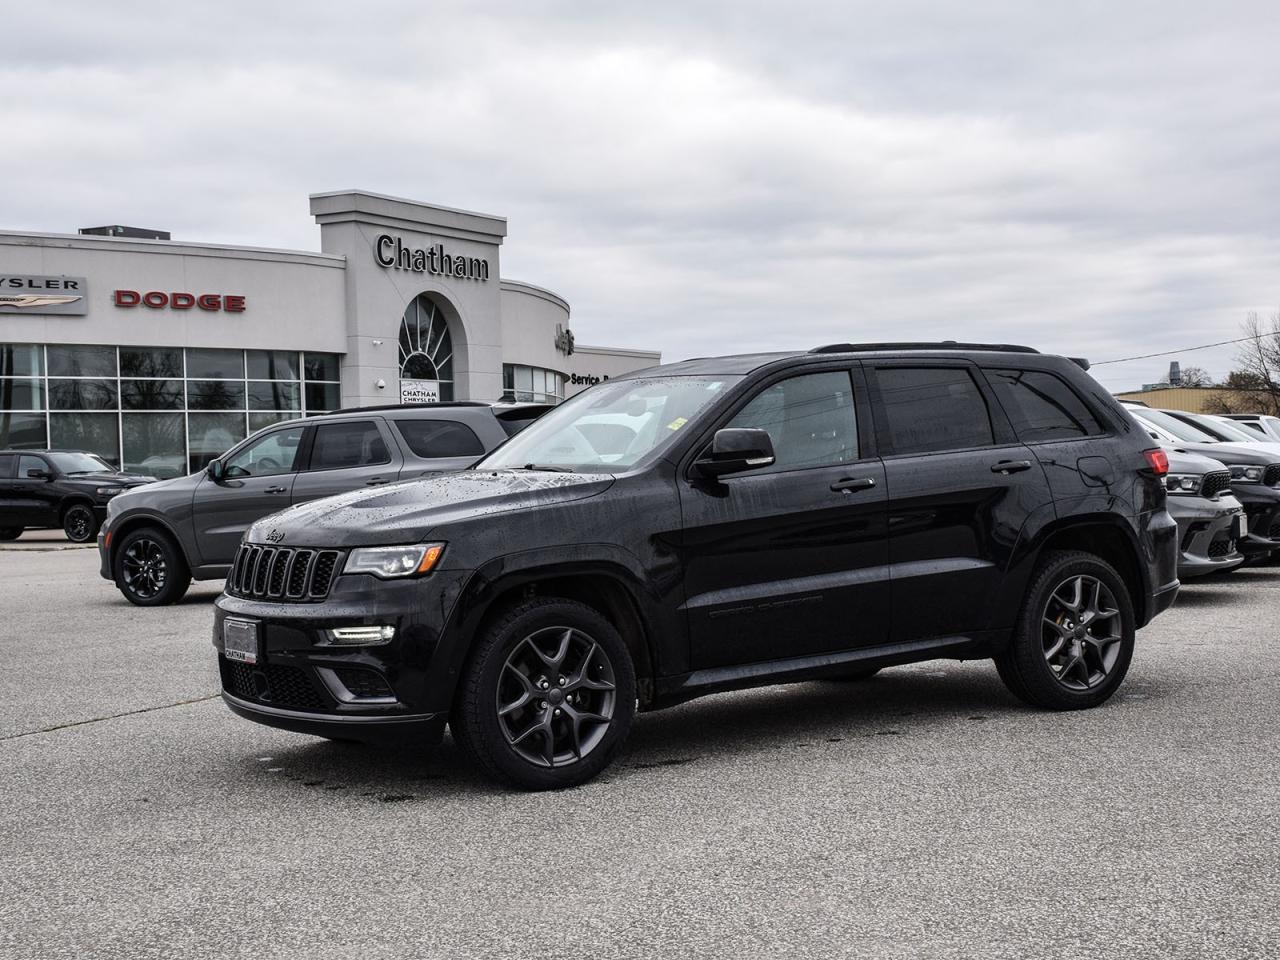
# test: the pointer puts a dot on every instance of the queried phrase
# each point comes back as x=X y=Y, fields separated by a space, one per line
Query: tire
x=10 y=533
x=854 y=675
x=588 y=672
x=1084 y=672
x=149 y=569
x=80 y=523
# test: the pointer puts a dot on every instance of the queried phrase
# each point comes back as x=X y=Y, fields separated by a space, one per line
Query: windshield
x=1232 y=431
x=79 y=463
x=1180 y=429
x=612 y=426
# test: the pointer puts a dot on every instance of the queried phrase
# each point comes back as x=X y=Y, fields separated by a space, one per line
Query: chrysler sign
x=44 y=295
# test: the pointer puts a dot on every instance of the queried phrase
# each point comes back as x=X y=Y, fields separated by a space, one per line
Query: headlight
x=1187 y=484
x=389 y=562
x=1244 y=473
x=107 y=491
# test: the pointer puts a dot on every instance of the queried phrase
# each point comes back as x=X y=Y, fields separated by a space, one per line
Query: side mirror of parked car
x=214 y=470
x=734 y=450
x=38 y=474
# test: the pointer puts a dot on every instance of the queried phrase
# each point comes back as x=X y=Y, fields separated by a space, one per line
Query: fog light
x=357 y=635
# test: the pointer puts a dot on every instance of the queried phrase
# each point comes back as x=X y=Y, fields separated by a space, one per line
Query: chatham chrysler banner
x=419 y=391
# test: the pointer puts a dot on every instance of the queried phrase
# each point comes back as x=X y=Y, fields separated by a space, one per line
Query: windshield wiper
x=546 y=468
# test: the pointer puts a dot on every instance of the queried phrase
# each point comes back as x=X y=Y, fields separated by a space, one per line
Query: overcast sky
x=1090 y=178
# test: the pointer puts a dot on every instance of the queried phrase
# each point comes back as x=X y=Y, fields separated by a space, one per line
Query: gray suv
x=157 y=539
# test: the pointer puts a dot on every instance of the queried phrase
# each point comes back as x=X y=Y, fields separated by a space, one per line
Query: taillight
x=1158 y=460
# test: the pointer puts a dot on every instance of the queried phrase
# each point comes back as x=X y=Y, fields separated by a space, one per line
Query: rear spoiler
x=1080 y=362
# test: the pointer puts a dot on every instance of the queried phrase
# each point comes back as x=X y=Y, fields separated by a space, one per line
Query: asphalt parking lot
x=922 y=814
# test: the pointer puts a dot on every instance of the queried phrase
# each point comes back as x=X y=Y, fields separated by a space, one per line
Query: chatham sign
x=392 y=252
x=63 y=296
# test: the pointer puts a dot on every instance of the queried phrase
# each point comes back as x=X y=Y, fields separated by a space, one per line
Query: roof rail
x=411 y=406
x=906 y=345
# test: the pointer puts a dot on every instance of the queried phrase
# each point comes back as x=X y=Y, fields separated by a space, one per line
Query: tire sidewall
x=178 y=576
x=1028 y=647
x=483 y=726
x=91 y=529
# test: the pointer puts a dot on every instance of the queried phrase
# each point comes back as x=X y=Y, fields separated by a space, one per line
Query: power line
x=1165 y=353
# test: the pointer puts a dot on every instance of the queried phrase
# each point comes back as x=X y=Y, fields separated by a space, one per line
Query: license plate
x=1242 y=526
x=240 y=640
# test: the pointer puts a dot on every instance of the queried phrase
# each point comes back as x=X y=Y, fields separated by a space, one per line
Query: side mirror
x=38 y=474
x=214 y=470
x=734 y=450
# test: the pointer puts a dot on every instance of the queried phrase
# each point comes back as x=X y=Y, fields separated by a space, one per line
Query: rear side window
x=927 y=409
x=1041 y=406
x=809 y=418
x=348 y=444
x=6 y=465
x=431 y=439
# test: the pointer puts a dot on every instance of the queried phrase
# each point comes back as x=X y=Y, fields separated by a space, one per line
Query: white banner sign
x=419 y=391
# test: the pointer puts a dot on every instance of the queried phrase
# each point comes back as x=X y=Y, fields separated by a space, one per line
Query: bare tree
x=1253 y=386
x=1196 y=377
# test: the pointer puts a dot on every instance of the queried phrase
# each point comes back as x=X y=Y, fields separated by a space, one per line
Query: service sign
x=419 y=391
x=66 y=296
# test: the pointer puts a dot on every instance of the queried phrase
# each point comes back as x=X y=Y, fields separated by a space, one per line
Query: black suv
x=709 y=525
x=47 y=489
x=155 y=542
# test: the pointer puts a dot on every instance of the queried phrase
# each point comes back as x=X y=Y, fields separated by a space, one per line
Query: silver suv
x=157 y=539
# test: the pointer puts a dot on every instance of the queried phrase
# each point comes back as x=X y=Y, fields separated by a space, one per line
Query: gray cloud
x=706 y=177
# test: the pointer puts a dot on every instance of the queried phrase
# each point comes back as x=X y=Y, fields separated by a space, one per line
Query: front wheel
x=150 y=569
x=547 y=697
x=80 y=523
x=1074 y=638
x=10 y=533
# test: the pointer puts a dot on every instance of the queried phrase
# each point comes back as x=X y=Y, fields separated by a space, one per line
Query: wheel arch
x=123 y=528
x=1109 y=538
x=73 y=500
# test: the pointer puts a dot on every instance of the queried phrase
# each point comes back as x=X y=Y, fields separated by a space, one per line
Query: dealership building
x=159 y=355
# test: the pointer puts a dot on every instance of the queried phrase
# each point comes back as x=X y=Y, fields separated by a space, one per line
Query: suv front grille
x=1214 y=483
x=295 y=574
x=271 y=683
x=1271 y=476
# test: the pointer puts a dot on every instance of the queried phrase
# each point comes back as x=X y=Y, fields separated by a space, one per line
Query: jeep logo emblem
x=275 y=536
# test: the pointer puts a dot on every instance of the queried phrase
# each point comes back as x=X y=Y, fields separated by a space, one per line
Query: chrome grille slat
x=295 y=574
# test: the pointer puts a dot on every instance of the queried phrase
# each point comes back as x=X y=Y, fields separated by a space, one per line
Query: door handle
x=849 y=484
x=376 y=482
x=1010 y=466
x=276 y=490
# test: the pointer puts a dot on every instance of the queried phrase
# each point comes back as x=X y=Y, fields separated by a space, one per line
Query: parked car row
x=1212 y=534
x=52 y=489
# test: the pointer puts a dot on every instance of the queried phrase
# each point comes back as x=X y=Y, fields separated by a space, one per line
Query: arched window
x=426 y=349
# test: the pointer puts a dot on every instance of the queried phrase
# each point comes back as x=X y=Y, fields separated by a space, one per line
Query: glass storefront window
x=322 y=366
x=22 y=431
x=273 y=396
x=272 y=364
x=215 y=364
x=18 y=394
x=155 y=444
x=151 y=362
x=82 y=394
x=83 y=361
x=212 y=434
x=323 y=396
x=91 y=432
x=259 y=420
x=151 y=395
x=21 y=360
x=531 y=384
x=215 y=394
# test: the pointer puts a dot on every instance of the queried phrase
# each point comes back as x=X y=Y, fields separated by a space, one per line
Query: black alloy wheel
x=79 y=523
x=1074 y=638
x=10 y=533
x=547 y=696
x=149 y=570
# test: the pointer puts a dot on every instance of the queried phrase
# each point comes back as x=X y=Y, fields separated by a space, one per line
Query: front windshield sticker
x=677 y=423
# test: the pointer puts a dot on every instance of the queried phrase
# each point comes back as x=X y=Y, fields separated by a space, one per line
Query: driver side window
x=809 y=418
x=274 y=453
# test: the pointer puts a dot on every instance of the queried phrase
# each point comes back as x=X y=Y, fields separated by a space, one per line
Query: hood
x=1183 y=461
x=1249 y=453
x=408 y=512
x=107 y=479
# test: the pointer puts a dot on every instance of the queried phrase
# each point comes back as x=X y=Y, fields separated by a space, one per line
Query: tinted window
x=267 y=455
x=30 y=463
x=810 y=420
x=440 y=438
x=1042 y=407
x=6 y=465
x=343 y=444
x=932 y=408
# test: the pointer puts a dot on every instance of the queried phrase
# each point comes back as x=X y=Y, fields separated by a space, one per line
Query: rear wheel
x=10 y=533
x=547 y=697
x=1074 y=638
x=80 y=523
x=149 y=568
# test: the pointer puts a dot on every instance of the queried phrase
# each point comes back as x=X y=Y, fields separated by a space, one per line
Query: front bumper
x=1208 y=534
x=386 y=691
